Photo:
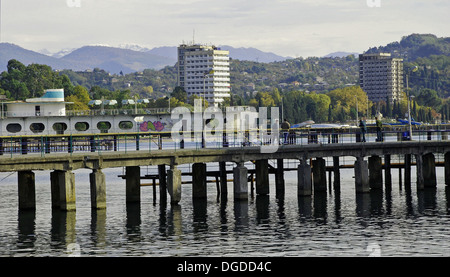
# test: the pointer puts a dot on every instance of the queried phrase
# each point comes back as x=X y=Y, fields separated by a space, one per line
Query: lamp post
x=204 y=90
x=409 y=100
x=356 y=100
x=168 y=101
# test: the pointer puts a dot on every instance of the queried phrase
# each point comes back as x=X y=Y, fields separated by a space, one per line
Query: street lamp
x=409 y=101
x=356 y=100
x=168 y=101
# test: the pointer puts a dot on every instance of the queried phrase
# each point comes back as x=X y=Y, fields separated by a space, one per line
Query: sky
x=294 y=28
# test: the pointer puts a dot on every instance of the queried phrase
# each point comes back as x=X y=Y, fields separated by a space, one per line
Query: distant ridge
x=243 y=54
x=115 y=60
x=340 y=54
x=126 y=58
x=10 y=51
x=132 y=58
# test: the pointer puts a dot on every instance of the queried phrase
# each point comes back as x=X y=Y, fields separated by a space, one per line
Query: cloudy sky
x=286 y=27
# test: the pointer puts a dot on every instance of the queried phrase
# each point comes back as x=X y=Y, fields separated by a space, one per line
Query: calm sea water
x=396 y=222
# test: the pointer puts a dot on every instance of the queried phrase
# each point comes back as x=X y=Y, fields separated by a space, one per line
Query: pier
x=372 y=166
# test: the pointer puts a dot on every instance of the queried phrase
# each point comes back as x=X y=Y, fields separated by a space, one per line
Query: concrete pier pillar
x=262 y=177
x=319 y=174
x=407 y=170
x=279 y=178
x=447 y=168
x=162 y=183
x=240 y=173
x=199 y=180
x=174 y=184
x=336 y=173
x=429 y=170
x=361 y=175
x=223 y=180
x=419 y=172
x=133 y=184
x=304 y=179
x=63 y=190
x=98 y=189
x=387 y=171
x=54 y=175
x=375 y=172
x=27 y=190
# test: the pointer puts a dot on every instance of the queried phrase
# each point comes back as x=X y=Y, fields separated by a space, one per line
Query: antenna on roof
x=193 y=36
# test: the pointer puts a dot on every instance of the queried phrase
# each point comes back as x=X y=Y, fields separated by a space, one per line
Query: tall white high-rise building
x=204 y=71
x=381 y=76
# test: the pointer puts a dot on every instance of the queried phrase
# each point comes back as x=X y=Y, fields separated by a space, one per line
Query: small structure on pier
x=50 y=104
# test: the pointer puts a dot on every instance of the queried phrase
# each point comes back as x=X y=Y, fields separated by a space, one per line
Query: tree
x=346 y=99
x=82 y=94
x=76 y=104
x=179 y=93
x=429 y=97
x=265 y=99
x=23 y=82
x=148 y=90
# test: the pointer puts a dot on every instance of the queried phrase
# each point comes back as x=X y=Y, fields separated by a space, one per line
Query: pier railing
x=154 y=141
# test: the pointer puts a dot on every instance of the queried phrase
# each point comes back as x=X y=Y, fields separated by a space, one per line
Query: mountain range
x=125 y=58
x=128 y=58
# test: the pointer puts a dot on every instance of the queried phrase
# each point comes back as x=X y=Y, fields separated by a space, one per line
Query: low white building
x=50 y=104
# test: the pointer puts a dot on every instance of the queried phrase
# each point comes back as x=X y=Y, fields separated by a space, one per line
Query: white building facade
x=50 y=104
x=381 y=76
x=204 y=71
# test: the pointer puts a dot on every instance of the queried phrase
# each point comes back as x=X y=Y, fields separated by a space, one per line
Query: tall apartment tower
x=381 y=76
x=204 y=71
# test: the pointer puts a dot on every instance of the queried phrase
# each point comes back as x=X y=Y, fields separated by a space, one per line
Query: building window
x=59 y=128
x=81 y=126
x=104 y=126
x=14 y=127
x=37 y=127
x=125 y=125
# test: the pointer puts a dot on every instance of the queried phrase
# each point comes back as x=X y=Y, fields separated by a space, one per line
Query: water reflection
x=223 y=216
x=175 y=222
x=200 y=215
x=27 y=227
x=241 y=215
x=447 y=196
x=262 y=209
x=304 y=207
x=426 y=200
x=133 y=223
x=238 y=216
x=320 y=206
x=337 y=206
x=98 y=227
x=63 y=231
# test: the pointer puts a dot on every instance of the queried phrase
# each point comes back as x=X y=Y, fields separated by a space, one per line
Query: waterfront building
x=381 y=76
x=204 y=71
x=50 y=104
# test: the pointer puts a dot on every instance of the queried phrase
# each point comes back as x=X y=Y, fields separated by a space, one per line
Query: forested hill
x=415 y=46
